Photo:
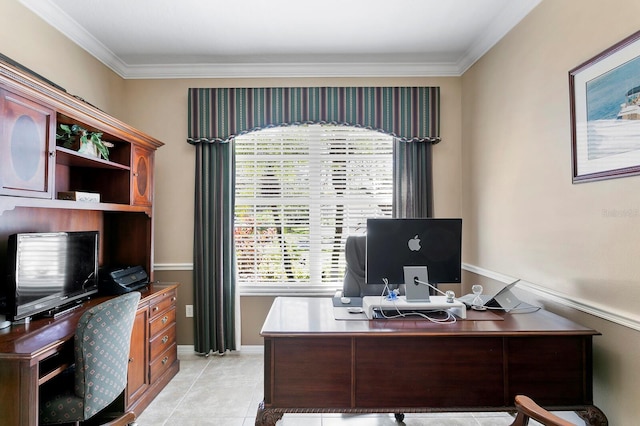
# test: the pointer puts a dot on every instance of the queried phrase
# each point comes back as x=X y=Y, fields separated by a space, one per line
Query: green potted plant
x=85 y=142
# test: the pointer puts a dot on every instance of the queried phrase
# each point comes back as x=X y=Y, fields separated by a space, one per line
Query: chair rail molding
x=625 y=319
x=173 y=266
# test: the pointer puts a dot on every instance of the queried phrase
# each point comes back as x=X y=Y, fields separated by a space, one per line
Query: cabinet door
x=142 y=177
x=27 y=144
x=138 y=375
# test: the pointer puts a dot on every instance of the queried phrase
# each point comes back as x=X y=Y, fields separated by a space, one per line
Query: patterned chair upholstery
x=101 y=345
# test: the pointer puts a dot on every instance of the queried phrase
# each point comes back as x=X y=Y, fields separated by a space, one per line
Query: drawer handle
x=165 y=359
x=155 y=308
x=165 y=319
x=173 y=299
x=130 y=360
x=165 y=339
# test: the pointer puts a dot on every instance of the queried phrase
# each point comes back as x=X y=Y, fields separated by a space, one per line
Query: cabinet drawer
x=163 y=362
x=162 y=303
x=162 y=341
x=162 y=321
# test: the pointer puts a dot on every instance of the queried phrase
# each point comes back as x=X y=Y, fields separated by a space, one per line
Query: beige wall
x=523 y=216
x=504 y=165
x=26 y=39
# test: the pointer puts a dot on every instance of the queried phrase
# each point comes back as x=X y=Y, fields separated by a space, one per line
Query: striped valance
x=408 y=113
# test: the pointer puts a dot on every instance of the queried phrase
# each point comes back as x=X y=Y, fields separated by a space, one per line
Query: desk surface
x=299 y=316
x=33 y=340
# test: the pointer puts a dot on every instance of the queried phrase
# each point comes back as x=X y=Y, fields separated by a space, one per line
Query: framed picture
x=605 y=113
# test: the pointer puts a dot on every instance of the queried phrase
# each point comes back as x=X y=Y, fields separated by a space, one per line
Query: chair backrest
x=102 y=342
x=355 y=250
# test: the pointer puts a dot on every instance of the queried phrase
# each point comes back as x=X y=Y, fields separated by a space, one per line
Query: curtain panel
x=408 y=113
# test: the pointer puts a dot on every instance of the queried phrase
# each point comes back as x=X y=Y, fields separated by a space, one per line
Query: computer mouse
x=355 y=310
x=345 y=300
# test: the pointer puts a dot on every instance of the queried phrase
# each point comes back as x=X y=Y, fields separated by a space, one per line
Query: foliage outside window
x=300 y=191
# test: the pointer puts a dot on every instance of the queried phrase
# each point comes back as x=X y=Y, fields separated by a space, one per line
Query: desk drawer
x=160 y=322
x=161 y=303
x=163 y=341
x=163 y=362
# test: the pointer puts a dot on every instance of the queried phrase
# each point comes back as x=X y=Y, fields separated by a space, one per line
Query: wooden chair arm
x=527 y=409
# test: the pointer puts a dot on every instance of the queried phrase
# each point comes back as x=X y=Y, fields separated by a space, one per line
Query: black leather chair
x=354 y=285
x=101 y=349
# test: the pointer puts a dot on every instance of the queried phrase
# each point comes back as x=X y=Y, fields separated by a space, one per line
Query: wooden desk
x=32 y=353
x=315 y=363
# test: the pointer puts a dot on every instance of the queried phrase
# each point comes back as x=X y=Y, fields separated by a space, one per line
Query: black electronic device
x=122 y=280
x=47 y=272
x=393 y=244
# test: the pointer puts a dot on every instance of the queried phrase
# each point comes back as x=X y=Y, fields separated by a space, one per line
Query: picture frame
x=605 y=113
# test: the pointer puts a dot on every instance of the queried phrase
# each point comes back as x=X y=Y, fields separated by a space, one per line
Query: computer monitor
x=393 y=244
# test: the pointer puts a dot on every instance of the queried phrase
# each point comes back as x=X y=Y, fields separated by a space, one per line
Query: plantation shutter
x=300 y=191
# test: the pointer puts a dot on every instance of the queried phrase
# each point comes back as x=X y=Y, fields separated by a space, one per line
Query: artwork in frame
x=605 y=113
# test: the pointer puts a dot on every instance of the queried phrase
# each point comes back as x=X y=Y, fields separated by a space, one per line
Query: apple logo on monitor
x=414 y=244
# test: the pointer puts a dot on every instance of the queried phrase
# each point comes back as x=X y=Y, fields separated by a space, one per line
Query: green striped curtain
x=408 y=113
x=216 y=115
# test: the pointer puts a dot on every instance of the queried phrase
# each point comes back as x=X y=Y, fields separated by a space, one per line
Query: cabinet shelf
x=72 y=158
x=10 y=203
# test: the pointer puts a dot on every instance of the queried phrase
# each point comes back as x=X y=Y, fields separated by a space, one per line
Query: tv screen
x=49 y=270
x=393 y=244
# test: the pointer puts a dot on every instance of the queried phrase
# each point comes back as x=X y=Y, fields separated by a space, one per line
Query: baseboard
x=245 y=349
x=601 y=311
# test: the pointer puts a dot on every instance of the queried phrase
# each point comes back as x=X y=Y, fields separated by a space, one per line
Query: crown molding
x=264 y=70
x=57 y=18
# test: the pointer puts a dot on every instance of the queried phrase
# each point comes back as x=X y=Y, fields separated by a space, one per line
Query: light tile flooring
x=225 y=391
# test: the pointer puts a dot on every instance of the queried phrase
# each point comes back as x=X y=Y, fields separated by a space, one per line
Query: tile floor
x=225 y=391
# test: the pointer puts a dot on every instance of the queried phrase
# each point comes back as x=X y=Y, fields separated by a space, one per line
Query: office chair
x=527 y=409
x=354 y=277
x=101 y=351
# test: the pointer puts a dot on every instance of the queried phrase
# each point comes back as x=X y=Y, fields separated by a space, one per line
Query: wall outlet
x=189 y=311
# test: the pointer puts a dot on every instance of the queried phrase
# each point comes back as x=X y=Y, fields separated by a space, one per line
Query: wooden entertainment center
x=34 y=170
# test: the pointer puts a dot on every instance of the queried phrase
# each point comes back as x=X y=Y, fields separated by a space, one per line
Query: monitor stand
x=371 y=304
x=414 y=276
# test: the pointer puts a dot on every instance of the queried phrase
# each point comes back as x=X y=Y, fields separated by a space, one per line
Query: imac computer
x=417 y=253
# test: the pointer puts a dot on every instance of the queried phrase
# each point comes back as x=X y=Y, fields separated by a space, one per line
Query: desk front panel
x=553 y=370
x=311 y=371
x=428 y=372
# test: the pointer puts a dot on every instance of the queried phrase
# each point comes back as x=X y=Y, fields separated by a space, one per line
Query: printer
x=120 y=280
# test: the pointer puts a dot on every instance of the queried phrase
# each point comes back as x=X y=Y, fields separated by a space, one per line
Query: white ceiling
x=268 y=38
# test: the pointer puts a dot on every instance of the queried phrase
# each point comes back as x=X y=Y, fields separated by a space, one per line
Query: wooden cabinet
x=27 y=138
x=162 y=334
x=154 y=351
x=33 y=171
x=142 y=177
x=137 y=375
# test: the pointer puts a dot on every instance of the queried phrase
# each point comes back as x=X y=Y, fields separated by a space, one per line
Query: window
x=300 y=191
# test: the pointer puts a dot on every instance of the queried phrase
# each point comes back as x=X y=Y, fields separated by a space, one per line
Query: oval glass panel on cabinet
x=27 y=143
x=141 y=176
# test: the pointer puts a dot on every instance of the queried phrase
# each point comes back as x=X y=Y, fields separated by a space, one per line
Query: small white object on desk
x=345 y=300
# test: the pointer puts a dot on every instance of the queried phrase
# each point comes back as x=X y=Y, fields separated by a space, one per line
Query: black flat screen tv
x=48 y=272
